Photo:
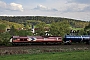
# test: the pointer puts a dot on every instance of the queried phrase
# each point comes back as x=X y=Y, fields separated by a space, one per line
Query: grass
x=76 y=55
x=76 y=28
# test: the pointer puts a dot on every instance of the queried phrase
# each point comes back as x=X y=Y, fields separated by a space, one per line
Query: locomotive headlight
x=11 y=40
x=29 y=39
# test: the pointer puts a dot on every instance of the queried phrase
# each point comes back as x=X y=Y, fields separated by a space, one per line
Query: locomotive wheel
x=88 y=42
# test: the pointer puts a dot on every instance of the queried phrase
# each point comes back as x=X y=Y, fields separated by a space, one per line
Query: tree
x=81 y=32
x=5 y=38
x=13 y=31
x=41 y=29
x=2 y=28
x=59 y=28
x=87 y=29
x=24 y=33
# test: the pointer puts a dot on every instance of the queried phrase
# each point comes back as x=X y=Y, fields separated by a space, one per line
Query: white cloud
x=44 y=8
x=77 y=15
x=2 y=4
x=80 y=1
x=15 y=6
x=73 y=7
x=87 y=9
x=41 y=6
x=12 y=6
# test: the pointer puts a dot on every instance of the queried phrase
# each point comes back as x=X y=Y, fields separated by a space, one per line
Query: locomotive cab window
x=14 y=38
x=59 y=38
x=25 y=39
x=21 y=39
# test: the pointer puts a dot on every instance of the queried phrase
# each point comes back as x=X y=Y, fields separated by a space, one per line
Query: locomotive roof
x=20 y=37
x=74 y=36
x=36 y=36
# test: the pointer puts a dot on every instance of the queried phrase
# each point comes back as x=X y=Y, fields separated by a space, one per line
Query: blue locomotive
x=68 y=39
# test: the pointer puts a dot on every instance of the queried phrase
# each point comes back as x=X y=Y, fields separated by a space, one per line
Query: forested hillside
x=10 y=24
x=22 y=19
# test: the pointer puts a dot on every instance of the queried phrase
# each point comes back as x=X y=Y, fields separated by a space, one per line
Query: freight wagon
x=68 y=39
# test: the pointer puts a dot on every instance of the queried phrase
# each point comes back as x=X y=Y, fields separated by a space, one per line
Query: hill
x=23 y=20
x=8 y=24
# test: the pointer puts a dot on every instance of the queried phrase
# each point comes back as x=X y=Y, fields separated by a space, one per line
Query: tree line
x=22 y=19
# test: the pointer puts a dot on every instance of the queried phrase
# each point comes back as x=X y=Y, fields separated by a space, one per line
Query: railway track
x=46 y=46
x=35 y=49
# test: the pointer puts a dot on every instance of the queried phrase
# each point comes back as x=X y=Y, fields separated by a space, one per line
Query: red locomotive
x=36 y=39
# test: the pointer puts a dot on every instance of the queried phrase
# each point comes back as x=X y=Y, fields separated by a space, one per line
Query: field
x=77 y=55
x=44 y=52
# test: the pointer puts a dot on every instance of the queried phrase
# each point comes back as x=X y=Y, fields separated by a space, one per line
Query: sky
x=74 y=9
